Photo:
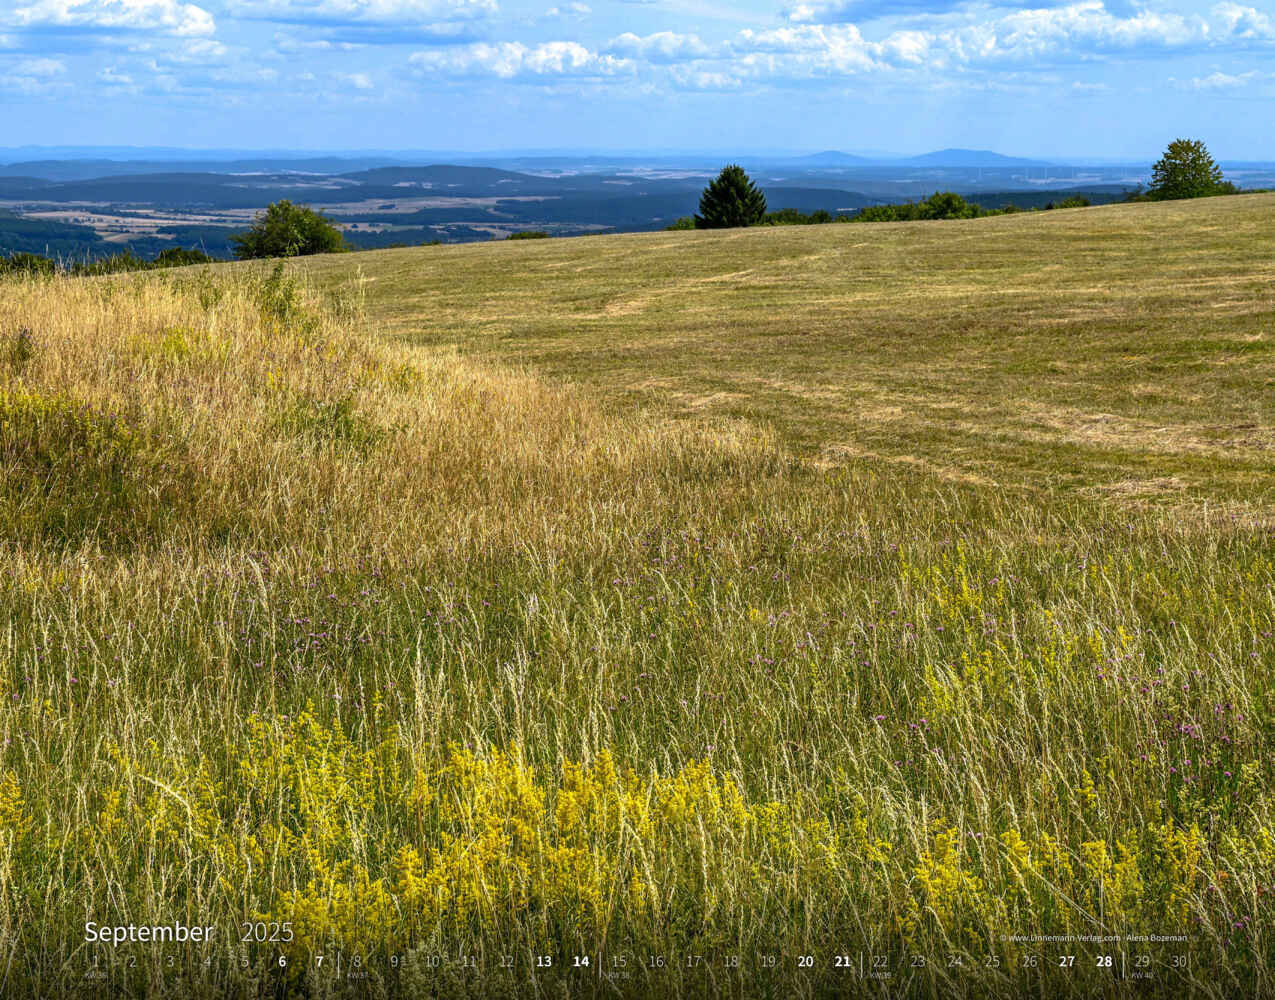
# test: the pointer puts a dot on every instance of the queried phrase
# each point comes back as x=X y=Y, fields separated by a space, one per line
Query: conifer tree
x=731 y=200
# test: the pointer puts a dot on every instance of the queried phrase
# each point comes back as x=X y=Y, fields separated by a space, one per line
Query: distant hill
x=46 y=237
x=82 y=170
x=441 y=174
x=806 y=199
x=969 y=158
x=832 y=158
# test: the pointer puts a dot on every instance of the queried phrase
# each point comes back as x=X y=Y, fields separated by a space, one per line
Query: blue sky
x=1113 y=78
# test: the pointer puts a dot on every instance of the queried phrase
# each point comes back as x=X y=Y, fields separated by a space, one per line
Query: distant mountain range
x=833 y=158
x=71 y=163
x=965 y=158
x=970 y=158
x=80 y=208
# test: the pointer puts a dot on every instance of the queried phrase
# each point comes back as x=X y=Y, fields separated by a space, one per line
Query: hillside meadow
x=896 y=592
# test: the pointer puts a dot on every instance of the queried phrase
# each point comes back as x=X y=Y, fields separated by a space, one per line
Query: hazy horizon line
x=73 y=151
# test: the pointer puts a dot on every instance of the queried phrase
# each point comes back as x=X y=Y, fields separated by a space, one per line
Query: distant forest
x=70 y=241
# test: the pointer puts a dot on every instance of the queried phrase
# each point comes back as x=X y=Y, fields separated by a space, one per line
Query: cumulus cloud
x=511 y=60
x=1245 y=22
x=568 y=12
x=436 y=15
x=1038 y=36
x=377 y=22
x=1089 y=26
x=357 y=81
x=813 y=50
x=705 y=80
x=169 y=17
x=1008 y=41
x=851 y=11
x=661 y=47
x=32 y=76
x=40 y=68
x=859 y=11
x=1224 y=81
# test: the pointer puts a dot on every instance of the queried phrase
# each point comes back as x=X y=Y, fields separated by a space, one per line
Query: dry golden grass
x=814 y=640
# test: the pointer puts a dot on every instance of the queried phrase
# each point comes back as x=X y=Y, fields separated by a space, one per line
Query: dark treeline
x=1186 y=170
x=940 y=205
x=32 y=263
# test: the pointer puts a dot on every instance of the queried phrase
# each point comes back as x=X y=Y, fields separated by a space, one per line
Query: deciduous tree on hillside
x=288 y=230
x=1186 y=170
x=731 y=200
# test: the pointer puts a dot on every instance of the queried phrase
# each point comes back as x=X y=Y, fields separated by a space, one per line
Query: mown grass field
x=1122 y=350
x=895 y=590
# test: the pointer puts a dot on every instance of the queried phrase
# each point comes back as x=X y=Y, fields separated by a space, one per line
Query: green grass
x=891 y=589
x=1124 y=349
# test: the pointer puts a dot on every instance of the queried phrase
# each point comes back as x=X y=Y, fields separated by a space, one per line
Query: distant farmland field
x=842 y=592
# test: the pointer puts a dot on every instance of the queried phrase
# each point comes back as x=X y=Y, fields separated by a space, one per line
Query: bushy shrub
x=288 y=230
x=125 y=260
x=949 y=205
x=528 y=234
x=940 y=205
x=115 y=264
x=1075 y=201
x=685 y=222
x=26 y=263
x=793 y=217
x=179 y=257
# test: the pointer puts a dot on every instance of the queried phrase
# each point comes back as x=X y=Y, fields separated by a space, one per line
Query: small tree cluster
x=1075 y=201
x=940 y=205
x=288 y=230
x=792 y=217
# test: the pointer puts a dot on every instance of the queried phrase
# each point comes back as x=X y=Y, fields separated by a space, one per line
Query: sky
x=1101 y=78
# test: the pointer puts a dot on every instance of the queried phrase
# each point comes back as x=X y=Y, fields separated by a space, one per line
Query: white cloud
x=33 y=76
x=170 y=17
x=438 y=16
x=199 y=50
x=1032 y=37
x=1245 y=22
x=359 y=81
x=1224 y=81
x=290 y=44
x=661 y=47
x=693 y=79
x=112 y=77
x=508 y=60
x=908 y=47
x=1028 y=42
x=568 y=12
x=1031 y=34
x=814 y=50
x=40 y=68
